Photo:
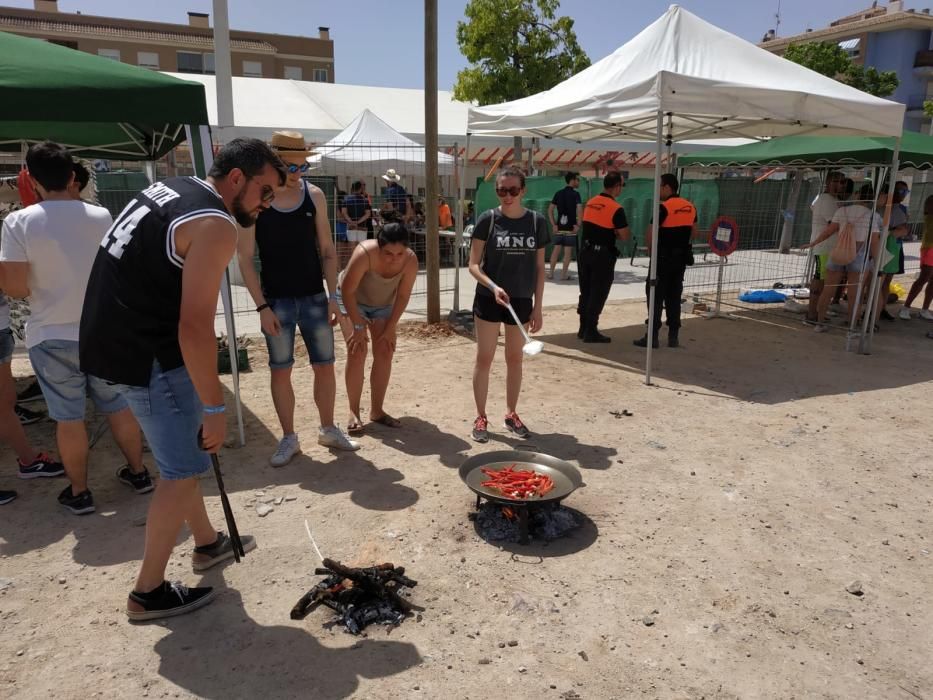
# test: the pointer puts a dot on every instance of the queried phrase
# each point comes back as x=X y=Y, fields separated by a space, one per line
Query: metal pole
x=432 y=247
x=868 y=326
x=880 y=175
x=223 y=67
x=653 y=266
x=461 y=213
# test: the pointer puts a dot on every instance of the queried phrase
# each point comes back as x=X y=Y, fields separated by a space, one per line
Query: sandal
x=354 y=426
x=387 y=420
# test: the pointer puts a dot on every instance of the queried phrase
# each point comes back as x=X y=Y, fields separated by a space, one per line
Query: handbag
x=845 y=249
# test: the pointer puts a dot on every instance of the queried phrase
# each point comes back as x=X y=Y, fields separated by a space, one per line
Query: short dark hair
x=50 y=164
x=512 y=171
x=613 y=179
x=250 y=156
x=392 y=233
x=82 y=175
x=670 y=180
x=571 y=176
x=866 y=193
x=356 y=186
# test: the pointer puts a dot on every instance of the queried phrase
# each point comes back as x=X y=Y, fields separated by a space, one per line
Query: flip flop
x=387 y=420
x=354 y=426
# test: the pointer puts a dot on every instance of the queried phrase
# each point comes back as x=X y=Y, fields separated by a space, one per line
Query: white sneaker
x=927 y=314
x=288 y=448
x=904 y=314
x=821 y=328
x=332 y=436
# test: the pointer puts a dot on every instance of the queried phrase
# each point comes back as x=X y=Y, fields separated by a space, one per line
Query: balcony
x=923 y=64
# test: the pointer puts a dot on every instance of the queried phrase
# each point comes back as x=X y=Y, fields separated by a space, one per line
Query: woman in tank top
x=373 y=292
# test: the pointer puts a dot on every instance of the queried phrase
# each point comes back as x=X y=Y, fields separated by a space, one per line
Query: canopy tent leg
x=868 y=325
x=653 y=266
x=879 y=176
x=149 y=167
x=202 y=156
x=460 y=168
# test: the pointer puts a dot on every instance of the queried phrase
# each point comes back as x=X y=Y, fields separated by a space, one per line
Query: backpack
x=845 y=250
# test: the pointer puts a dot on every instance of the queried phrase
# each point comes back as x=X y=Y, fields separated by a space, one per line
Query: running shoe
x=168 y=600
x=82 y=504
x=31 y=393
x=515 y=425
x=926 y=314
x=27 y=417
x=41 y=466
x=904 y=314
x=141 y=482
x=6 y=497
x=481 y=429
x=334 y=437
x=208 y=555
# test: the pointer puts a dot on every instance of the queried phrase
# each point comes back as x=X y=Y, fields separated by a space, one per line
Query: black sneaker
x=643 y=342
x=168 y=600
x=41 y=466
x=208 y=555
x=515 y=425
x=141 y=482
x=673 y=340
x=594 y=336
x=6 y=497
x=82 y=504
x=27 y=417
x=31 y=393
x=481 y=429
x=886 y=315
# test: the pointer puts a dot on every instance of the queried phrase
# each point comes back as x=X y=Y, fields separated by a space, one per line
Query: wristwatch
x=359 y=326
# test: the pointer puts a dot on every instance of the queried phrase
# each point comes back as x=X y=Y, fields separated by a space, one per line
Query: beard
x=242 y=216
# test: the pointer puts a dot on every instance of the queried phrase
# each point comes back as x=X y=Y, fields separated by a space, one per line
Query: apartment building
x=177 y=48
x=887 y=37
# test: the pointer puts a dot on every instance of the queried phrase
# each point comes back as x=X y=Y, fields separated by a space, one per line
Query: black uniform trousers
x=671 y=269
x=595 y=271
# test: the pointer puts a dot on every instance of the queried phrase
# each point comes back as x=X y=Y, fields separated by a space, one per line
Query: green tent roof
x=96 y=106
x=916 y=152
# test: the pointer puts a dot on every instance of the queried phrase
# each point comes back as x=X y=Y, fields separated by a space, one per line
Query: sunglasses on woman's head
x=292 y=168
x=508 y=191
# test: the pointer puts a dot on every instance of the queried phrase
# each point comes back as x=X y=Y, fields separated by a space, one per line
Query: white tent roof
x=369 y=145
x=322 y=110
x=711 y=82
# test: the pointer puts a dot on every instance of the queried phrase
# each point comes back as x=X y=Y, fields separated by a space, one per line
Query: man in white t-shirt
x=46 y=254
x=823 y=208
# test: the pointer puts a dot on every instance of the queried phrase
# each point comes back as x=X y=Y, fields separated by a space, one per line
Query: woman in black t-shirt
x=507 y=260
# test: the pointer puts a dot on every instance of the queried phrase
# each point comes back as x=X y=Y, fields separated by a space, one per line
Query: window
x=252 y=69
x=195 y=62
x=147 y=59
x=319 y=75
x=293 y=72
x=113 y=54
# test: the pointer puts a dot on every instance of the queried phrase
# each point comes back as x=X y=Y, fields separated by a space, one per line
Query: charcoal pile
x=546 y=522
x=359 y=596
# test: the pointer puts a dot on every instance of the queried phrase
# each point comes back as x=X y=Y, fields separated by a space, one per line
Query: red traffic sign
x=724 y=236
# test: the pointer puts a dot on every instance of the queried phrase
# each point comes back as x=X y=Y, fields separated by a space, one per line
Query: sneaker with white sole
x=926 y=314
x=288 y=448
x=904 y=314
x=208 y=555
x=168 y=600
x=334 y=437
x=42 y=466
x=821 y=328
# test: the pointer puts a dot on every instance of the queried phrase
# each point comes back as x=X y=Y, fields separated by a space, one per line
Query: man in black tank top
x=295 y=252
x=148 y=328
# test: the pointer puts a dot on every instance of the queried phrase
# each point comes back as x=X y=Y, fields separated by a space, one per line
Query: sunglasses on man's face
x=267 y=195
x=292 y=168
x=508 y=191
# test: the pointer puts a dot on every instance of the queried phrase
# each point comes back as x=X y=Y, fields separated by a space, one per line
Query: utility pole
x=222 y=67
x=432 y=237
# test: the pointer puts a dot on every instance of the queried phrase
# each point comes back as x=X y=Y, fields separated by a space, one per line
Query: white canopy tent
x=682 y=78
x=370 y=146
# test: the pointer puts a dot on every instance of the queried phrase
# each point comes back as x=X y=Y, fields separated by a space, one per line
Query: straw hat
x=290 y=143
x=392 y=176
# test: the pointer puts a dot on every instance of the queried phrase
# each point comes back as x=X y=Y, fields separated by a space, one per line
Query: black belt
x=598 y=246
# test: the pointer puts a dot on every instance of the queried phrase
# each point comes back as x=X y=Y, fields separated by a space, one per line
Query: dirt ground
x=765 y=472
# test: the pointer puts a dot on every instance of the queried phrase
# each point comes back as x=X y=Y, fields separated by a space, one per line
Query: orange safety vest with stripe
x=677 y=227
x=598 y=215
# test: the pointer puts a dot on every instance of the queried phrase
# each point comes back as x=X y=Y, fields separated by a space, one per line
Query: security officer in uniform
x=604 y=222
x=677 y=227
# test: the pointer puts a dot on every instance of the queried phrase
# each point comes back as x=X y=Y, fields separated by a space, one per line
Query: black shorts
x=487 y=308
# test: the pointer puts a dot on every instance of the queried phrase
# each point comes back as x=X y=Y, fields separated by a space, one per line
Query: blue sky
x=380 y=42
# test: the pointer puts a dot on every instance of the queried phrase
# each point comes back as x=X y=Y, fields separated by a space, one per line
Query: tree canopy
x=515 y=48
x=831 y=60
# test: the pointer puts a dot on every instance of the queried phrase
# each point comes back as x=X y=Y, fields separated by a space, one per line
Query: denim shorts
x=7 y=343
x=65 y=387
x=169 y=413
x=565 y=239
x=857 y=265
x=310 y=316
x=370 y=313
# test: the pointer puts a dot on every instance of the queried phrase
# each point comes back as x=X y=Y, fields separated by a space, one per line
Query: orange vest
x=680 y=212
x=599 y=211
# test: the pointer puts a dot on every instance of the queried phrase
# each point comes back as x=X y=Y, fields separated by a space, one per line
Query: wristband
x=359 y=326
x=214 y=410
x=493 y=287
x=332 y=296
x=261 y=307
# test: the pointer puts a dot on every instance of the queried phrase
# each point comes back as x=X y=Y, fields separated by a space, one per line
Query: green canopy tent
x=818 y=151
x=914 y=151
x=99 y=108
